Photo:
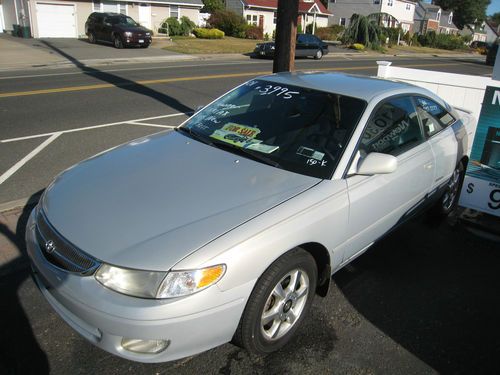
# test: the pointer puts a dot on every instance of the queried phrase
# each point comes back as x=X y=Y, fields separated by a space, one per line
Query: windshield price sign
x=481 y=187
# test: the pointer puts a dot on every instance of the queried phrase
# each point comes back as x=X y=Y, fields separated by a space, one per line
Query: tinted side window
x=393 y=129
x=434 y=117
x=301 y=39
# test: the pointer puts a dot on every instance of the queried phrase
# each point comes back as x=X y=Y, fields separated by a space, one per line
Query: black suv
x=119 y=29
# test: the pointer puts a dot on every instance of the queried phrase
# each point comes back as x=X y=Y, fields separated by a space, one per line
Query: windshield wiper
x=255 y=155
x=194 y=135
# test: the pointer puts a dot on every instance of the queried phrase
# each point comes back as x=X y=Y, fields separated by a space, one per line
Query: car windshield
x=298 y=129
x=123 y=20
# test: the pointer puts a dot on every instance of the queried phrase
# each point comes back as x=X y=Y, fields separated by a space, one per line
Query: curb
x=9 y=206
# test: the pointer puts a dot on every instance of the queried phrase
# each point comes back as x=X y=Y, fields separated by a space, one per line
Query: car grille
x=60 y=252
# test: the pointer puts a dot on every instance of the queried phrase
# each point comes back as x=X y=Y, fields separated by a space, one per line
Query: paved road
x=51 y=102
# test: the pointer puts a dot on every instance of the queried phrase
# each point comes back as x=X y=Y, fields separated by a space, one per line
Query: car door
x=107 y=29
x=98 y=25
x=379 y=202
x=436 y=123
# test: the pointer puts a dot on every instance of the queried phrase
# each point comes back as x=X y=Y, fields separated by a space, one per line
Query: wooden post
x=286 y=32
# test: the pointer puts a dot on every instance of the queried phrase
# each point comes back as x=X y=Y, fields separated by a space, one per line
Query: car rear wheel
x=318 y=55
x=92 y=38
x=279 y=302
x=449 y=200
x=117 y=42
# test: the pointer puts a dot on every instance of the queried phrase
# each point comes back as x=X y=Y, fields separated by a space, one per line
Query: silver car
x=226 y=228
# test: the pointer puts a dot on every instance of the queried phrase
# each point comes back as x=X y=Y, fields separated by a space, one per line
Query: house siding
x=159 y=13
x=346 y=8
x=9 y=14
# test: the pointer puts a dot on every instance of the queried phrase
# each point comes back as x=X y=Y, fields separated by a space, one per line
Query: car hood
x=133 y=29
x=152 y=202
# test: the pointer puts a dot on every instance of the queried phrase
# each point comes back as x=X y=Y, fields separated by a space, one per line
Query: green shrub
x=357 y=47
x=309 y=28
x=187 y=26
x=443 y=41
x=329 y=33
x=231 y=23
x=363 y=31
x=208 y=33
x=254 y=32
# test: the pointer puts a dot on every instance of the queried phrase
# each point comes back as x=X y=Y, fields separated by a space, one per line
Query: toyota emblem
x=50 y=247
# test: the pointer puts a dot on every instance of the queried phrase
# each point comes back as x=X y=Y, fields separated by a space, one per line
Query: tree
x=496 y=18
x=465 y=12
x=362 y=30
x=211 y=6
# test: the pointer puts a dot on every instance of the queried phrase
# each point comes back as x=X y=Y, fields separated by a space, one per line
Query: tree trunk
x=286 y=33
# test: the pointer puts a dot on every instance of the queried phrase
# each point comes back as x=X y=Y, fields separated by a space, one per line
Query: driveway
x=77 y=50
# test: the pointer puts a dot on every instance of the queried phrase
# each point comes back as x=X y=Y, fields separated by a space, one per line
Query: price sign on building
x=481 y=188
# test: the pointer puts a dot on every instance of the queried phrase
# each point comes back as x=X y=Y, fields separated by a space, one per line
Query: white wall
x=9 y=14
x=1 y=20
x=398 y=10
x=269 y=26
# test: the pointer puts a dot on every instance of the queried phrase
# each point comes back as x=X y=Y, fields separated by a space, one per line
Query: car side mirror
x=377 y=163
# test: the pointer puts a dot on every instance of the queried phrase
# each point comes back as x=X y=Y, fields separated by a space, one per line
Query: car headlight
x=182 y=283
x=272 y=47
x=148 y=34
x=128 y=33
x=160 y=285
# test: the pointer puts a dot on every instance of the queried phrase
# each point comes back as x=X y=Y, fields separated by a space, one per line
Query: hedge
x=208 y=33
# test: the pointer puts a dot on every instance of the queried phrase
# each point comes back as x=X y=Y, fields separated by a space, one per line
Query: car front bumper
x=136 y=41
x=191 y=324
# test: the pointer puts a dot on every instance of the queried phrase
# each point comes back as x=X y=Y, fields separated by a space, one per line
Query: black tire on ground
x=318 y=55
x=278 y=305
x=117 y=42
x=449 y=200
x=92 y=38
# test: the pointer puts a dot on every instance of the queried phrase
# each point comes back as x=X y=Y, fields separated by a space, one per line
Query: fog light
x=145 y=346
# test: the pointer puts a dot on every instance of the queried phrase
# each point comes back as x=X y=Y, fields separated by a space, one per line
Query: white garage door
x=56 y=21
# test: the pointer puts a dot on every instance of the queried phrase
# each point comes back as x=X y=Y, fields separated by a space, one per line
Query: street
x=423 y=300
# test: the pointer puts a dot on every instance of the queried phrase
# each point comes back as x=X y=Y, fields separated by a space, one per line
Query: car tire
x=276 y=308
x=449 y=200
x=318 y=55
x=92 y=38
x=117 y=42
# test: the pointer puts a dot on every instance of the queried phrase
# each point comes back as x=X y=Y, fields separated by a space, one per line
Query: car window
x=434 y=118
x=301 y=39
x=303 y=130
x=393 y=129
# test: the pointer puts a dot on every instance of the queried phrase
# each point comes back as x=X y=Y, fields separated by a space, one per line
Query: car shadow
x=121 y=82
x=435 y=295
x=20 y=352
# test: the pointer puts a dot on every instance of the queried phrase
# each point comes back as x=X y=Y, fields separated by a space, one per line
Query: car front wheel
x=117 y=42
x=279 y=302
x=92 y=38
x=318 y=55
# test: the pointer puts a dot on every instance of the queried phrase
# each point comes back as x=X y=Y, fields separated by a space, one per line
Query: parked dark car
x=306 y=45
x=119 y=29
x=492 y=54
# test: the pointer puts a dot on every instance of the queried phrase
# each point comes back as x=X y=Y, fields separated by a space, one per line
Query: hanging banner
x=481 y=188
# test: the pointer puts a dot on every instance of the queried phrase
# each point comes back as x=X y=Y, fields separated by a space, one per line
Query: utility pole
x=286 y=33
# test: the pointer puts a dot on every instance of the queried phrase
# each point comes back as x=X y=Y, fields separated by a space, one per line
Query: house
x=394 y=13
x=66 y=19
x=263 y=13
x=492 y=32
x=476 y=32
x=430 y=17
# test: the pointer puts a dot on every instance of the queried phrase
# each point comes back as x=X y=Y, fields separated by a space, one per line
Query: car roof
x=361 y=87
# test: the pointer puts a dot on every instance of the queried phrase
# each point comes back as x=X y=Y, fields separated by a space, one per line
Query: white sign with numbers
x=481 y=195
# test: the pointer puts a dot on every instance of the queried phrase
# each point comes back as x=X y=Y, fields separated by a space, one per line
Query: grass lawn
x=228 y=44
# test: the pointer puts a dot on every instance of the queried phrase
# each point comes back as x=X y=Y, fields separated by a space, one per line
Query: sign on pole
x=481 y=187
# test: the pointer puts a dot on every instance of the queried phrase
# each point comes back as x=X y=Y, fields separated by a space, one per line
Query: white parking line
x=28 y=157
x=95 y=127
